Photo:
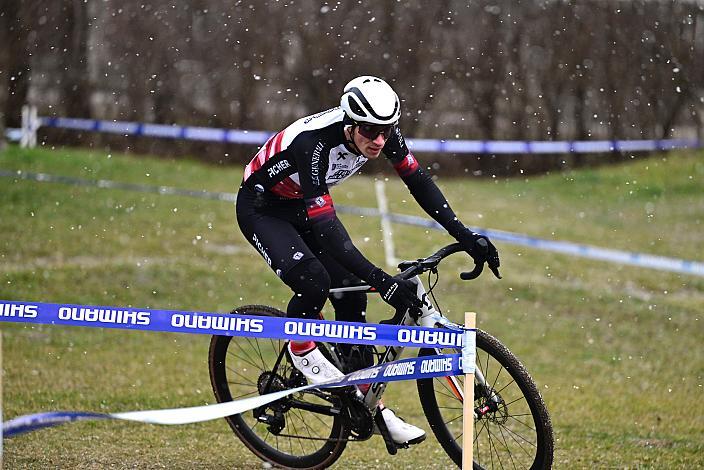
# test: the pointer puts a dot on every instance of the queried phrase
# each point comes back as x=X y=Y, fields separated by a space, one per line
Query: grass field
x=616 y=351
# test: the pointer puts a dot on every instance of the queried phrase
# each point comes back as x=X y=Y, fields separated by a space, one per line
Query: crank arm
x=313 y=408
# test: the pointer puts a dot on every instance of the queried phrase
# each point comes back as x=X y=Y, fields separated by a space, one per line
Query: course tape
x=109 y=184
x=174 y=321
x=239 y=136
x=405 y=369
x=585 y=251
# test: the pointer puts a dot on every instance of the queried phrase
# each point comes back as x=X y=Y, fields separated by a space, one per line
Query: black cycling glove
x=397 y=292
x=480 y=249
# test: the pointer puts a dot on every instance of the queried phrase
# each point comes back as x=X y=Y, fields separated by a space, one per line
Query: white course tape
x=199 y=414
x=405 y=369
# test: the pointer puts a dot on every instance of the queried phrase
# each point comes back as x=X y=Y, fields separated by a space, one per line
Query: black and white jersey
x=308 y=157
x=303 y=161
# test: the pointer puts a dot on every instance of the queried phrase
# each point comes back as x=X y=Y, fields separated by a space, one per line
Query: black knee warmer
x=311 y=284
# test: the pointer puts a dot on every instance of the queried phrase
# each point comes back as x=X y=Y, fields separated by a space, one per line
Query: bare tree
x=76 y=87
x=500 y=69
x=16 y=60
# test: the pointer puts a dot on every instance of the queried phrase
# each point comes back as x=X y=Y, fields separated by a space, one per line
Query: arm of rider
x=397 y=292
x=334 y=239
x=433 y=202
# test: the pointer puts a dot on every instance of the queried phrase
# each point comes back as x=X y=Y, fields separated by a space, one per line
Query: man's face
x=371 y=139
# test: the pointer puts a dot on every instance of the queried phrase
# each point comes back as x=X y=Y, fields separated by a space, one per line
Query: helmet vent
x=354 y=106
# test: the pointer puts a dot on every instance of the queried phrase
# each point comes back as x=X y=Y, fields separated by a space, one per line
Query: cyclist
x=285 y=211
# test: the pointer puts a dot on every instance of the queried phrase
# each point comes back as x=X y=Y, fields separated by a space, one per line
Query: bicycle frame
x=429 y=318
x=508 y=409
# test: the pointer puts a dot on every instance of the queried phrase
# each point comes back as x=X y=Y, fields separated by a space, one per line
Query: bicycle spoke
x=483 y=427
x=518 y=443
x=453 y=419
x=307 y=427
x=492 y=447
x=505 y=386
x=232 y=382
x=259 y=351
x=449 y=408
x=510 y=454
x=444 y=383
x=256 y=367
x=248 y=360
x=244 y=395
x=514 y=401
x=274 y=347
x=245 y=378
x=292 y=421
x=515 y=435
x=496 y=378
x=447 y=395
x=485 y=368
x=527 y=426
x=319 y=419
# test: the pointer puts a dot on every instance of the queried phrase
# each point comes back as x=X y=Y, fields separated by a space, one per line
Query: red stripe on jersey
x=277 y=142
x=288 y=189
x=268 y=147
x=261 y=157
x=407 y=166
x=320 y=208
x=258 y=161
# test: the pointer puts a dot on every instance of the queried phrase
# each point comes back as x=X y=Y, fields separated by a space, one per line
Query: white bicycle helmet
x=370 y=100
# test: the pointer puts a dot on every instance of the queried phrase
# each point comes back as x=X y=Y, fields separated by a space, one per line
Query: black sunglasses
x=372 y=131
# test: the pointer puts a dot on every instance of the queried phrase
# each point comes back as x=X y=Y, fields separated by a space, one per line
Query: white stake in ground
x=383 y=205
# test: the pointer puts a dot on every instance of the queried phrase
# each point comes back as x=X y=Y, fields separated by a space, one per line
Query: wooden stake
x=470 y=321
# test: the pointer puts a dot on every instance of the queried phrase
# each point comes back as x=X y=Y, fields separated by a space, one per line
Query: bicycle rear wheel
x=299 y=431
x=512 y=427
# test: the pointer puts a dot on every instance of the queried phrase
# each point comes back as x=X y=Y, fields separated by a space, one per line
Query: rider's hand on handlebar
x=397 y=292
x=480 y=249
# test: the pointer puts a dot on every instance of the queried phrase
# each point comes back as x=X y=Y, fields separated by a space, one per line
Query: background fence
x=31 y=124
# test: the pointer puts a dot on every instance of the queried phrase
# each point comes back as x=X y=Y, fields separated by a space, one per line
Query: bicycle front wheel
x=512 y=427
x=300 y=431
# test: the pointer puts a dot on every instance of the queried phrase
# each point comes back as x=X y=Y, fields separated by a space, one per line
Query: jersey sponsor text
x=278 y=167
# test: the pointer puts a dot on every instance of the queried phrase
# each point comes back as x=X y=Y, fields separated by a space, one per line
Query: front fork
x=456 y=388
x=431 y=318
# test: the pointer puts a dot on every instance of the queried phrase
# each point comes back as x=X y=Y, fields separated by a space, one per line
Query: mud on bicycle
x=310 y=429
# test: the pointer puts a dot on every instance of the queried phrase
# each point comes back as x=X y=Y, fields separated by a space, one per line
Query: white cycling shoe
x=402 y=432
x=316 y=367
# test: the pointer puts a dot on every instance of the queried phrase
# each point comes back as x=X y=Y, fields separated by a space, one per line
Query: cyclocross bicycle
x=310 y=429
